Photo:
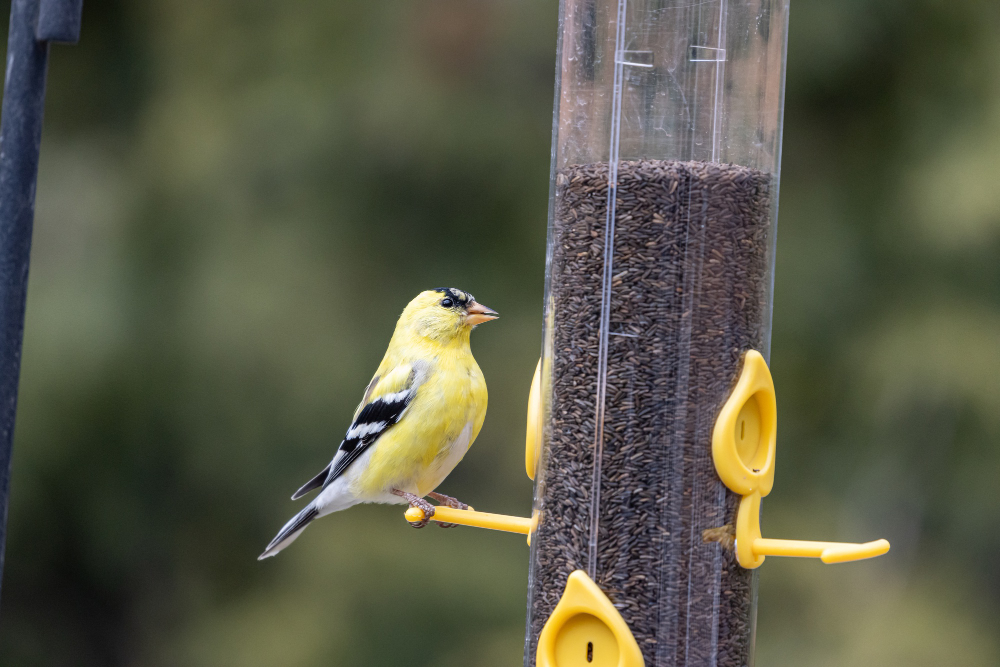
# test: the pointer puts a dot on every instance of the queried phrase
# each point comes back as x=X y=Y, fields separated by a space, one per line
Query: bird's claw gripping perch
x=419 y=503
x=448 y=501
x=454 y=503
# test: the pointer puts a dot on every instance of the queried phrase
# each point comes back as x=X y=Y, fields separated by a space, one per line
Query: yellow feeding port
x=743 y=450
x=746 y=430
x=585 y=640
x=531 y=436
x=585 y=630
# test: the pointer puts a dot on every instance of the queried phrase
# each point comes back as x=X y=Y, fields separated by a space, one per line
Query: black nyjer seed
x=688 y=296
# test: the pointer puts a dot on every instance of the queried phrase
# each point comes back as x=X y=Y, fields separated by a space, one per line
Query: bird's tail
x=291 y=530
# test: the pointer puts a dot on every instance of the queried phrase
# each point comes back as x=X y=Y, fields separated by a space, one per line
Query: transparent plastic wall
x=666 y=147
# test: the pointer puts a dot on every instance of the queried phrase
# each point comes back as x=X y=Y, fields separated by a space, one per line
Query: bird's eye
x=447 y=303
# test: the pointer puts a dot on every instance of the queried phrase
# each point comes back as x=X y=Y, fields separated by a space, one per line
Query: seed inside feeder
x=688 y=293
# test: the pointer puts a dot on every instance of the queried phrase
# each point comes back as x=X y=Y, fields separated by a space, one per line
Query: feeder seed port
x=586 y=630
x=743 y=450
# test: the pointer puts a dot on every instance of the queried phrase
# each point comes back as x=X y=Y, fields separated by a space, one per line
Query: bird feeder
x=652 y=423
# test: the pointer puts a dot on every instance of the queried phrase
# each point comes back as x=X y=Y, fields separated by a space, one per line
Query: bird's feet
x=419 y=503
x=448 y=501
x=454 y=503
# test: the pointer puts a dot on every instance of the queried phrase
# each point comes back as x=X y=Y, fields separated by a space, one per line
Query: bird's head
x=445 y=314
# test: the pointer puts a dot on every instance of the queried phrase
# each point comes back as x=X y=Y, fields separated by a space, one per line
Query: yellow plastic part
x=743 y=448
x=751 y=547
x=470 y=517
x=585 y=630
x=746 y=430
x=534 y=423
x=534 y=525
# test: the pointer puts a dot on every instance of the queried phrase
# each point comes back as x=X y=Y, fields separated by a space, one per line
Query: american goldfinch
x=419 y=415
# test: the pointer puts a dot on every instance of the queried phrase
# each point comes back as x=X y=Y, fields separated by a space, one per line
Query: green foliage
x=238 y=197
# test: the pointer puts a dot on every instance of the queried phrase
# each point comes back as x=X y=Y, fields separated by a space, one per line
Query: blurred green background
x=236 y=199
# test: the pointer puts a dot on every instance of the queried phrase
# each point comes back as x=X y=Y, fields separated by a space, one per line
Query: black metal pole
x=33 y=24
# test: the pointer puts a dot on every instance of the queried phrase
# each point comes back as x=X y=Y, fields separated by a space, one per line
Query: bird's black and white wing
x=386 y=399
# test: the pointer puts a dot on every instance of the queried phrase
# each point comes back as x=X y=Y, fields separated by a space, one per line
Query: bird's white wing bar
x=361 y=430
x=398 y=396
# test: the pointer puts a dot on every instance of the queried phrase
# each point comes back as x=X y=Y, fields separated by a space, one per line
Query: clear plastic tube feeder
x=666 y=147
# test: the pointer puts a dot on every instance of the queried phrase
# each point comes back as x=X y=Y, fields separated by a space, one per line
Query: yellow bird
x=419 y=415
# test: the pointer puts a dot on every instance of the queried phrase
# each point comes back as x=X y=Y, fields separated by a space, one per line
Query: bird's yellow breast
x=441 y=422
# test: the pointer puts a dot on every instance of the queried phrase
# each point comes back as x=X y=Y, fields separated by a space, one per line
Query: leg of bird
x=454 y=503
x=416 y=501
x=448 y=501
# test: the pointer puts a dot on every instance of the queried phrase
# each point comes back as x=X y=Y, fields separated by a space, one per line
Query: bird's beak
x=478 y=313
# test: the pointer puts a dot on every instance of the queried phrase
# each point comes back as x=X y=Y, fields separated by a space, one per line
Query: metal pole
x=33 y=24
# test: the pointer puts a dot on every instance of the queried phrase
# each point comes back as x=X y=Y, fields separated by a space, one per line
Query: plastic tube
x=666 y=151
